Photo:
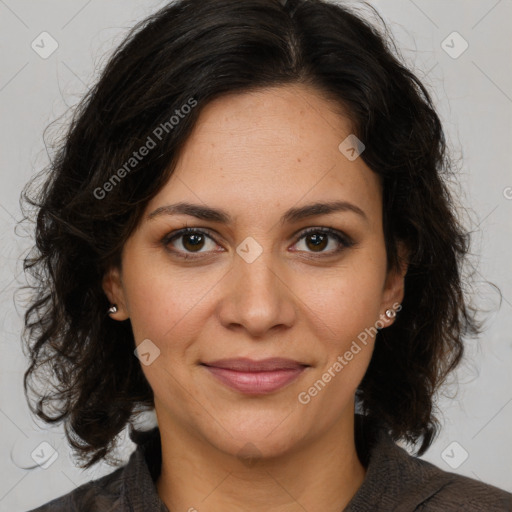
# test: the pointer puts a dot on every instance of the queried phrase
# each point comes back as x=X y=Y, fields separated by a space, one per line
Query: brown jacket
x=395 y=482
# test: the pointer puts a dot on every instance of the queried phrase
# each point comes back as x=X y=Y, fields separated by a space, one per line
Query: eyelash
x=344 y=241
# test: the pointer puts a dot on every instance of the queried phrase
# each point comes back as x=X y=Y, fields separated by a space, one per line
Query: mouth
x=244 y=364
x=255 y=377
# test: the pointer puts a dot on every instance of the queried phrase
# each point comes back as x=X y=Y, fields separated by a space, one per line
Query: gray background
x=473 y=93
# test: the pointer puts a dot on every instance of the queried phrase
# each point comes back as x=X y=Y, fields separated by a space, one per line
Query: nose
x=257 y=296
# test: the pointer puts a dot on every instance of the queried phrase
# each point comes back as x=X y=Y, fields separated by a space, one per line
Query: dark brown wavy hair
x=195 y=51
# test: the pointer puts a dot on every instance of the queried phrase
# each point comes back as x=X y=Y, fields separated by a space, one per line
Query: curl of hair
x=198 y=50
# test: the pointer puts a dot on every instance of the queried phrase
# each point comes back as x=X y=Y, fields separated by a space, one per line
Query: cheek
x=342 y=317
x=345 y=302
x=163 y=300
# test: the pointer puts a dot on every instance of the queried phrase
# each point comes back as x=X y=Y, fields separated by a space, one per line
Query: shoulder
x=422 y=486
x=130 y=487
x=446 y=491
x=94 y=496
x=396 y=480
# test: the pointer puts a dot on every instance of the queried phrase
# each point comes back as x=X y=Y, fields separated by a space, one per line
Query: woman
x=247 y=228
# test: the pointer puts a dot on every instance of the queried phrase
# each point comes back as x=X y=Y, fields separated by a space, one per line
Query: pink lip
x=244 y=364
x=255 y=377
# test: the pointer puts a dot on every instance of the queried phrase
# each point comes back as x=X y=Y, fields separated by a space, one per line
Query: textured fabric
x=395 y=482
x=130 y=488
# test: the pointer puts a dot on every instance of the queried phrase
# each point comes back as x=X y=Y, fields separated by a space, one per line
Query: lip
x=245 y=364
x=255 y=377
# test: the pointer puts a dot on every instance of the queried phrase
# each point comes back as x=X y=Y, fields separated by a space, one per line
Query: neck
x=322 y=474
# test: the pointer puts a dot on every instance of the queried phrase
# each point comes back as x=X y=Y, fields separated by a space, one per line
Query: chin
x=255 y=439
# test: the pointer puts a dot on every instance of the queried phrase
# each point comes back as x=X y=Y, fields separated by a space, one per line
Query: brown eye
x=317 y=240
x=188 y=241
x=193 y=241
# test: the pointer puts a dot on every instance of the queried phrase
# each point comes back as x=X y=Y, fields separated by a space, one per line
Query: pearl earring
x=390 y=313
x=112 y=309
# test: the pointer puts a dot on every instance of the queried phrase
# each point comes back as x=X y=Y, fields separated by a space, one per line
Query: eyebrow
x=291 y=216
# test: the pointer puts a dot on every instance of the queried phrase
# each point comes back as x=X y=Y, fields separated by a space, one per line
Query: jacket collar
x=139 y=483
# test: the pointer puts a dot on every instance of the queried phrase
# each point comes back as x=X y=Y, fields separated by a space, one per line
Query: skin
x=256 y=155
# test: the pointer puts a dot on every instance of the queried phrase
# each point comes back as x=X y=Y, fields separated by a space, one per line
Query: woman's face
x=254 y=285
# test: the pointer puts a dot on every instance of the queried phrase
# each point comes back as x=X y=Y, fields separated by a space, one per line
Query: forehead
x=272 y=147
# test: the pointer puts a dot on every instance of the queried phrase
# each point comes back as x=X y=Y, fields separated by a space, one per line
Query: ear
x=112 y=285
x=393 y=293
